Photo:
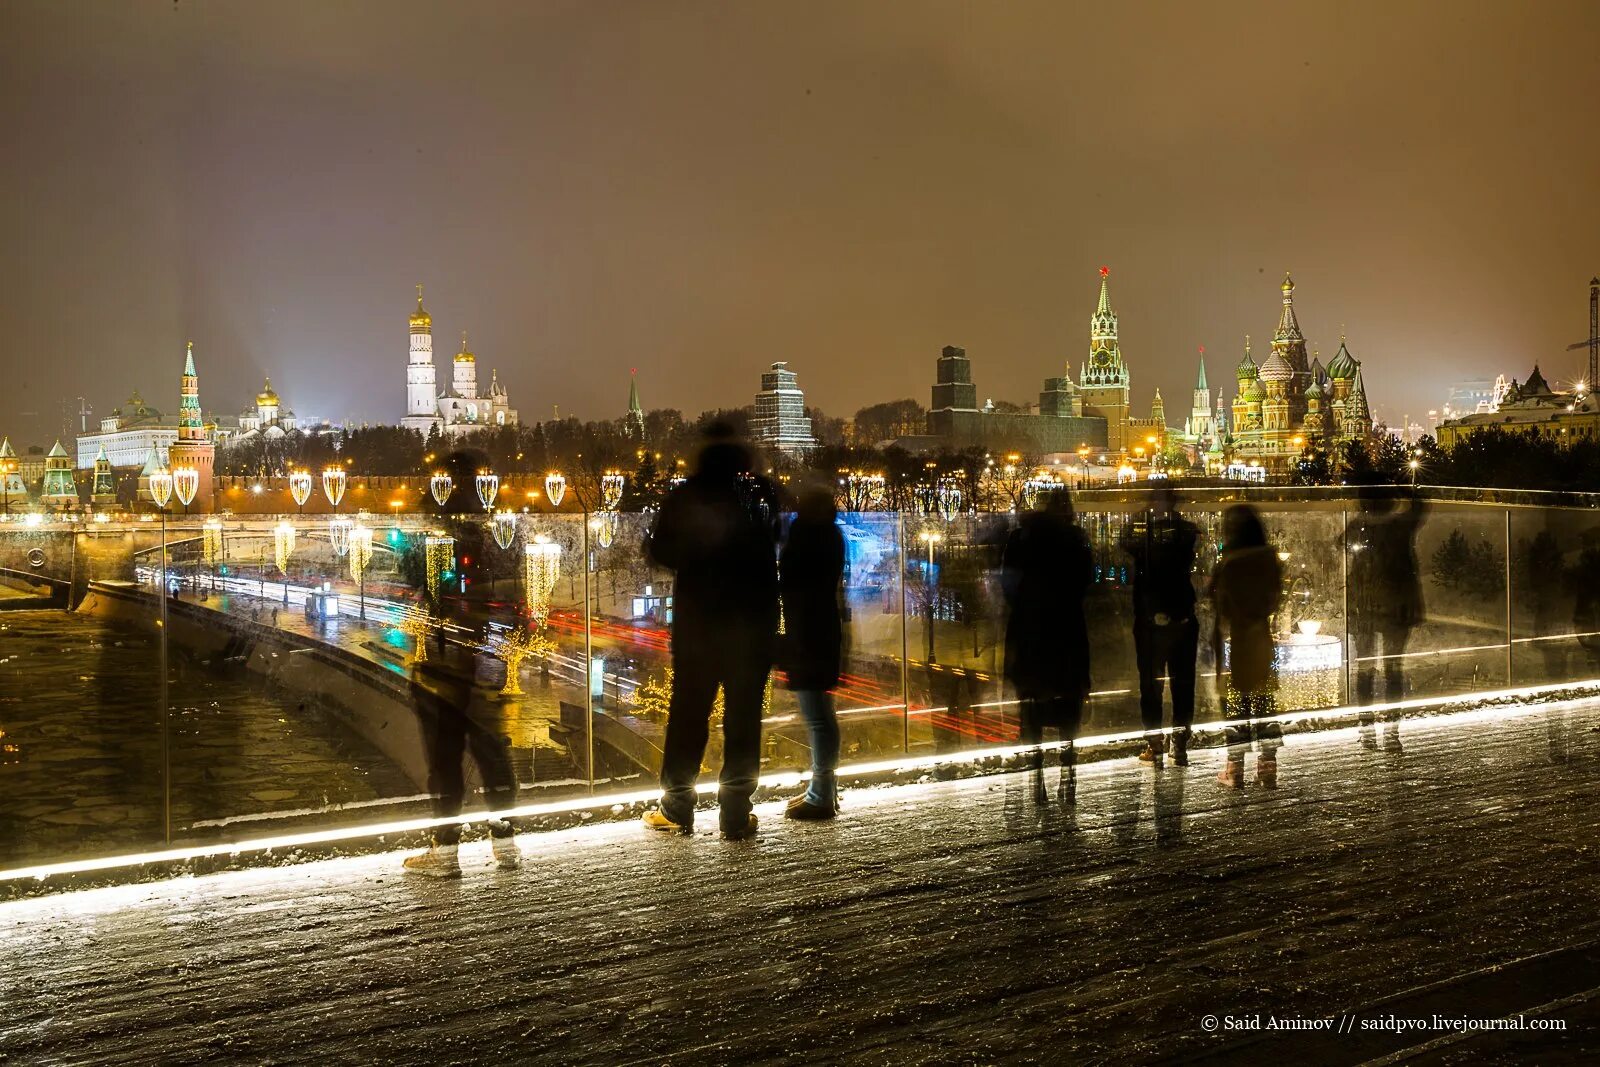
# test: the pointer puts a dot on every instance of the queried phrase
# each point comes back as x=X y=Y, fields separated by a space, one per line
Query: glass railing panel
x=1555 y=595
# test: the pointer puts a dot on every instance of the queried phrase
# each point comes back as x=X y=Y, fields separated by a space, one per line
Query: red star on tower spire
x=1105 y=272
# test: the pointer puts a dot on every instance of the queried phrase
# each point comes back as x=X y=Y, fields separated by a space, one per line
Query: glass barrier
x=196 y=679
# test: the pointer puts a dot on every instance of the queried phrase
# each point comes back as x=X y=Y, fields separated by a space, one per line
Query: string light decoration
x=333 y=480
x=440 y=486
x=611 y=486
x=300 y=487
x=211 y=541
x=947 y=496
x=439 y=553
x=360 y=551
x=488 y=483
x=504 y=527
x=1033 y=488
x=161 y=487
x=863 y=492
x=555 y=488
x=605 y=528
x=282 y=546
x=186 y=483
x=541 y=568
x=339 y=535
x=512 y=648
x=415 y=623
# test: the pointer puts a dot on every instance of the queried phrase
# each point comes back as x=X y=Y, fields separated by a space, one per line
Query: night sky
x=698 y=190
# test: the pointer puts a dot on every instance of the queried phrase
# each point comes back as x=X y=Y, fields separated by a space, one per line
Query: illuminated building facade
x=1531 y=407
x=462 y=408
x=780 y=421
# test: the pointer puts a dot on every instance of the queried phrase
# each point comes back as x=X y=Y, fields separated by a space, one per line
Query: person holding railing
x=811 y=580
x=1166 y=633
x=1246 y=587
x=1046 y=572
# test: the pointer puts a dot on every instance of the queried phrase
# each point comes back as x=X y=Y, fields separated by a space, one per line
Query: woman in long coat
x=1046 y=571
x=810 y=579
x=1246 y=587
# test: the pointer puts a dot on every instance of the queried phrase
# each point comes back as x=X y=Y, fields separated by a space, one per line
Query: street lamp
x=185 y=482
x=1415 y=465
x=360 y=556
x=333 y=480
x=161 y=492
x=1083 y=456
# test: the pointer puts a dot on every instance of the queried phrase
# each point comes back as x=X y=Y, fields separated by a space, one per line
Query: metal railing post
x=905 y=639
x=1508 y=599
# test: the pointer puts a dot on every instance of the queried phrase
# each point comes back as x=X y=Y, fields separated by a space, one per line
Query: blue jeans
x=816 y=707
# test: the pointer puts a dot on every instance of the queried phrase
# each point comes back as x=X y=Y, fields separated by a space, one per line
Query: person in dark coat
x=1166 y=633
x=716 y=532
x=811 y=580
x=1385 y=601
x=1246 y=588
x=1046 y=571
x=455 y=691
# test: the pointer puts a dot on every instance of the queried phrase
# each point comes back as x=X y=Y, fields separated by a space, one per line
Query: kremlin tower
x=422 y=398
x=193 y=448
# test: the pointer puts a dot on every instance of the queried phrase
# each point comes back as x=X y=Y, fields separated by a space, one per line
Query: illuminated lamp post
x=504 y=527
x=360 y=556
x=211 y=547
x=161 y=493
x=283 y=538
x=1083 y=457
x=488 y=485
x=185 y=483
x=339 y=535
x=1415 y=465
x=333 y=480
x=439 y=552
x=541 y=565
x=300 y=488
x=611 y=486
x=555 y=488
x=440 y=486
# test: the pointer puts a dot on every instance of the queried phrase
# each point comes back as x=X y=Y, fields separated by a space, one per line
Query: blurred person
x=716 y=532
x=811 y=581
x=1166 y=632
x=1046 y=571
x=1245 y=590
x=1385 y=601
x=456 y=692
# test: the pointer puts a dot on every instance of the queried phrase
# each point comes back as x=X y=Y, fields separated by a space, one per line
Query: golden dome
x=420 y=319
x=267 y=398
x=464 y=356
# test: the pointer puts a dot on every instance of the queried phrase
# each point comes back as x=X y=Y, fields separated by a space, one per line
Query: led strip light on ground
x=781 y=780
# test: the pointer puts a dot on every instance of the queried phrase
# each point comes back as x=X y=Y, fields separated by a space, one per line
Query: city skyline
x=579 y=200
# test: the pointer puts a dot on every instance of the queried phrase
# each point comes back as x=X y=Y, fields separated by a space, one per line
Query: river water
x=81 y=764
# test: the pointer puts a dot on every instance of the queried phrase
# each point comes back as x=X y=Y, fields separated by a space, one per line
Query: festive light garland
x=555 y=488
x=333 y=479
x=611 y=485
x=440 y=555
x=161 y=486
x=211 y=541
x=415 y=624
x=186 y=483
x=605 y=524
x=504 y=527
x=360 y=551
x=282 y=546
x=440 y=486
x=339 y=535
x=488 y=484
x=541 y=567
x=300 y=487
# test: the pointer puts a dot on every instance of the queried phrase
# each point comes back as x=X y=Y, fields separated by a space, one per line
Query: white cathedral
x=459 y=409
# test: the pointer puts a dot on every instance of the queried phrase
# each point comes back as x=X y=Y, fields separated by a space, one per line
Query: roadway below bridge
x=1453 y=879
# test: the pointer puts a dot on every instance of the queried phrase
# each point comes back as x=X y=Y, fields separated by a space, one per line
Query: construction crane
x=1593 y=343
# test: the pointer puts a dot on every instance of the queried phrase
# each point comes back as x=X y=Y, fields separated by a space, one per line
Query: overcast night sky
x=698 y=190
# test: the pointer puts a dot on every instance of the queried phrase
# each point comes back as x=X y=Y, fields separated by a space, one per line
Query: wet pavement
x=947 y=922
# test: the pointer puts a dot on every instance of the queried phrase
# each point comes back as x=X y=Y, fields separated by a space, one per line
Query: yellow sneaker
x=654 y=820
x=440 y=861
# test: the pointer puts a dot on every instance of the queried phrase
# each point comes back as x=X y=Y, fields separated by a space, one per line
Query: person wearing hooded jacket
x=1246 y=587
x=811 y=577
x=716 y=533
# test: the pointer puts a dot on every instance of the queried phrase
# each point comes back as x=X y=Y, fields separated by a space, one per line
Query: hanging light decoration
x=360 y=551
x=339 y=535
x=161 y=486
x=488 y=488
x=555 y=488
x=414 y=622
x=440 y=486
x=947 y=496
x=541 y=566
x=611 y=486
x=1033 y=488
x=333 y=484
x=504 y=527
x=282 y=546
x=211 y=541
x=300 y=487
x=440 y=555
x=606 y=528
x=186 y=483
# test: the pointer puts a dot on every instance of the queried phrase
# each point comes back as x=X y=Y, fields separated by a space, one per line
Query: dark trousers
x=1171 y=649
x=451 y=727
x=737 y=658
x=1252 y=708
x=1064 y=713
x=1366 y=638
